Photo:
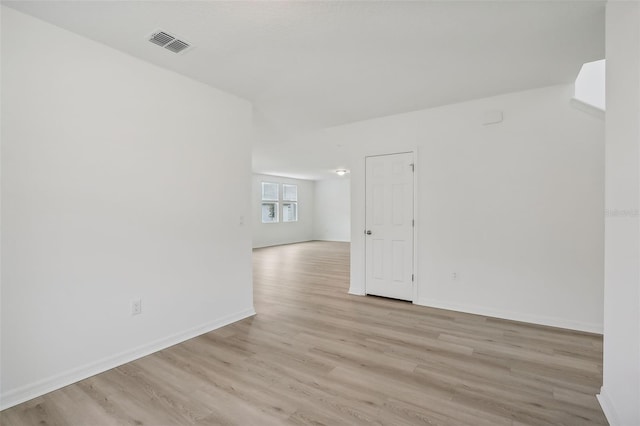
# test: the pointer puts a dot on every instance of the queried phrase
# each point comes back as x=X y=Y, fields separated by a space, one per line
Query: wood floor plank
x=315 y=355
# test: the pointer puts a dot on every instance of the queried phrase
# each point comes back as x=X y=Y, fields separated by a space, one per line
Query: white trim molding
x=514 y=316
x=594 y=111
x=49 y=384
x=356 y=291
x=607 y=407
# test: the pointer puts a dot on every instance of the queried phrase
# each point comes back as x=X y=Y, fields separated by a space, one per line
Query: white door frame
x=416 y=170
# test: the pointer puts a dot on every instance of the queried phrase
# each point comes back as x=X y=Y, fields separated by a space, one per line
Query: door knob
x=368 y=232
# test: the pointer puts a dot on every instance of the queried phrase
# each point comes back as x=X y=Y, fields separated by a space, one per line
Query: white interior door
x=389 y=226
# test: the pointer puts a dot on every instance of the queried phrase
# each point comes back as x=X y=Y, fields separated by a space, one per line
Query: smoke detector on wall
x=169 y=41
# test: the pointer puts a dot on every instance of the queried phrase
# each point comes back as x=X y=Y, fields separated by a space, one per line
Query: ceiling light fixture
x=341 y=172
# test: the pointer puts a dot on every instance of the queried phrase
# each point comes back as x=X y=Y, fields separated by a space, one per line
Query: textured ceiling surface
x=312 y=65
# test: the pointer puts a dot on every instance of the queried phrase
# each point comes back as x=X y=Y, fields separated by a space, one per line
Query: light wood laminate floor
x=316 y=355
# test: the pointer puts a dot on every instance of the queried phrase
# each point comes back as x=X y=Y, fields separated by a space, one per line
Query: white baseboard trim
x=514 y=316
x=588 y=108
x=41 y=387
x=298 y=242
x=607 y=407
x=356 y=291
x=276 y=244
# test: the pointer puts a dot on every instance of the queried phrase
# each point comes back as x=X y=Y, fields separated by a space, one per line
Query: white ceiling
x=312 y=65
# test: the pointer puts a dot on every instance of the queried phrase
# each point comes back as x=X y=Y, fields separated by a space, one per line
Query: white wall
x=271 y=234
x=515 y=208
x=620 y=394
x=332 y=218
x=590 y=85
x=115 y=185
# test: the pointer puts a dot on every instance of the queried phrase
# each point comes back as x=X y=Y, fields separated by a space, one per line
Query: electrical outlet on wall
x=454 y=276
x=136 y=307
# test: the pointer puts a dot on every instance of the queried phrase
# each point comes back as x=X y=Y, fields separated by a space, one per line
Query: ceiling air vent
x=169 y=42
x=177 y=46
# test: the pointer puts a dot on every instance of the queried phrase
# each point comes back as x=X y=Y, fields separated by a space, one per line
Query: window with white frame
x=270 y=197
x=289 y=203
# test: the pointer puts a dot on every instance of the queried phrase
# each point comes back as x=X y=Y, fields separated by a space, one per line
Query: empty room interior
x=320 y=212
